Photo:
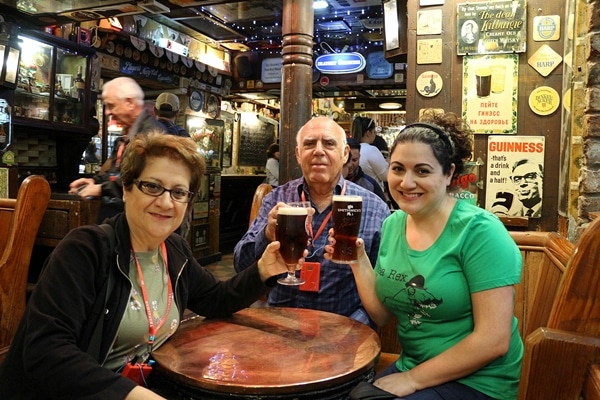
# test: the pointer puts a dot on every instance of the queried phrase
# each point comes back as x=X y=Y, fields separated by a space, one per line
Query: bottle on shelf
x=73 y=33
x=79 y=84
x=2 y=134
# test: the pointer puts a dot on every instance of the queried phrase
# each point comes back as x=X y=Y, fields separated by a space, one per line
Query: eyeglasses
x=155 y=190
x=529 y=178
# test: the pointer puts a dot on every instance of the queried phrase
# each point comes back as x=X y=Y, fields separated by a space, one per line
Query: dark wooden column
x=296 y=82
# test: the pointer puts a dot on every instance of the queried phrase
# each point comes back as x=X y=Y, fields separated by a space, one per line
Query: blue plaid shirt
x=337 y=288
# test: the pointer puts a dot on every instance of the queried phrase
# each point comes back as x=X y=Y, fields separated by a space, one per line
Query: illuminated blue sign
x=340 y=63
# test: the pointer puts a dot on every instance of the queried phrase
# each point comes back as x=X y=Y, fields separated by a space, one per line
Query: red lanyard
x=120 y=153
x=324 y=223
x=152 y=330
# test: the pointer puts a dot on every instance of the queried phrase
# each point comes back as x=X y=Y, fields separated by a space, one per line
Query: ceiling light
x=390 y=106
x=320 y=4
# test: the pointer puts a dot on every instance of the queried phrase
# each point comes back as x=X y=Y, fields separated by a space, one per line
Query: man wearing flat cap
x=166 y=109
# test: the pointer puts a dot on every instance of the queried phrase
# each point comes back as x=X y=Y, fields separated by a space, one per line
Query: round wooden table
x=268 y=353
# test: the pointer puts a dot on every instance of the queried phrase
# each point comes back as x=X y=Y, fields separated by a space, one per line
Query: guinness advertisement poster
x=492 y=27
x=515 y=175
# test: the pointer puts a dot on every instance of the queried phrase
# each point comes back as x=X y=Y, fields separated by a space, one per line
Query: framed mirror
x=395 y=23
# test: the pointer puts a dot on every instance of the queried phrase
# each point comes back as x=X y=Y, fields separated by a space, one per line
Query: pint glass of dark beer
x=291 y=233
x=347 y=211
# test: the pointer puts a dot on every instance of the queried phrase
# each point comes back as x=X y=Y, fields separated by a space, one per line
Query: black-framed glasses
x=154 y=189
x=529 y=178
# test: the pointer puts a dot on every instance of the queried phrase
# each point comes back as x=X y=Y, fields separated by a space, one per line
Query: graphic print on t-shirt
x=416 y=298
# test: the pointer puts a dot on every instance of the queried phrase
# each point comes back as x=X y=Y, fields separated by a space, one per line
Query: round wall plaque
x=544 y=100
x=429 y=83
x=196 y=100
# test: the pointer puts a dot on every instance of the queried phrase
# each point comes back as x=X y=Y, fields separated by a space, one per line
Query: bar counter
x=268 y=353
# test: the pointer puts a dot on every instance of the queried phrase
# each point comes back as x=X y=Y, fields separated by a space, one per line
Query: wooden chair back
x=261 y=191
x=545 y=256
x=558 y=356
x=20 y=219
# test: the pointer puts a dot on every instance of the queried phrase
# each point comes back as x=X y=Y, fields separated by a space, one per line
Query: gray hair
x=125 y=88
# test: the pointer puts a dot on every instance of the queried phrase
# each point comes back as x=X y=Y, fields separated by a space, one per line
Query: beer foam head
x=292 y=211
x=345 y=198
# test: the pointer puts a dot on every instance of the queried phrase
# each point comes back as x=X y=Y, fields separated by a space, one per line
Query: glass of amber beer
x=291 y=233
x=347 y=211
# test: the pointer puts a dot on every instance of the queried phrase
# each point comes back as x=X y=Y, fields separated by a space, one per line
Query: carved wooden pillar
x=296 y=82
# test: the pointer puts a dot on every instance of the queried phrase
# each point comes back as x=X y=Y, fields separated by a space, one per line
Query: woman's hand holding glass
x=271 y=263
x=360 y=249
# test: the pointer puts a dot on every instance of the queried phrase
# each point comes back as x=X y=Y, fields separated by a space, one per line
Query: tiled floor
x=222 y=269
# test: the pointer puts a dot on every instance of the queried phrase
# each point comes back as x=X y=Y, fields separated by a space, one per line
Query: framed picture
x=490 y=95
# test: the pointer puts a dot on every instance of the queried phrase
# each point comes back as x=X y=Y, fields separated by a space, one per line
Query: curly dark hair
x=449 y=137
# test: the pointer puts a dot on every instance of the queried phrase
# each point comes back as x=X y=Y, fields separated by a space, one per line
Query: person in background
x=123 y=101
x=372 y=160
x=381 y=144
x=354 y=173
x=50 y=357
x=90 y=156
x=456 y=324
x=321 y=151
x=527 y=177
x=272 y=167
x=166 y=110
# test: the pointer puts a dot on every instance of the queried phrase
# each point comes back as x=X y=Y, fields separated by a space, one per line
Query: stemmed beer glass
x=292 y=234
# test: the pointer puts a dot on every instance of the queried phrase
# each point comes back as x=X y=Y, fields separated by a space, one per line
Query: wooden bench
x=19 y=221
x=545 y=256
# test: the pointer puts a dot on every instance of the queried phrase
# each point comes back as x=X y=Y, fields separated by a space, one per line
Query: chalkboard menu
x=256 y=134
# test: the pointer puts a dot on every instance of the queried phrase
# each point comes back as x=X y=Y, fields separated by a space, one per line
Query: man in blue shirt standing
x=321 y=151
x=166 y=109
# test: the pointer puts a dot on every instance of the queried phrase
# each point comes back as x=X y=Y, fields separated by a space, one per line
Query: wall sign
x=490 y=93
x=429 y=83
x=429 y=22
x=544 y=100
x=340 y=63
x=270 y=71
x=378 y=67
x=545 y=60
x=515 y=175
x=196 y=100
x=255 y=137
x=546 y=27
x=4 y=182
x=492 y=27
x=429 y=51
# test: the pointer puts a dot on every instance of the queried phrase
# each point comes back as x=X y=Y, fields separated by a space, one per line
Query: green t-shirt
x=429 y=291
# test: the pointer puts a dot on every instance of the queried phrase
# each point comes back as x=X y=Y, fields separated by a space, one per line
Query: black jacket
x=48 y=358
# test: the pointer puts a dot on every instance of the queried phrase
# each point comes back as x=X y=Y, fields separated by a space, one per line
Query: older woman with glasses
x=130 y=280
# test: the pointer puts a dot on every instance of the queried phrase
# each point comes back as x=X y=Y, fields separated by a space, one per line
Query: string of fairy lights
x=353 y=31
